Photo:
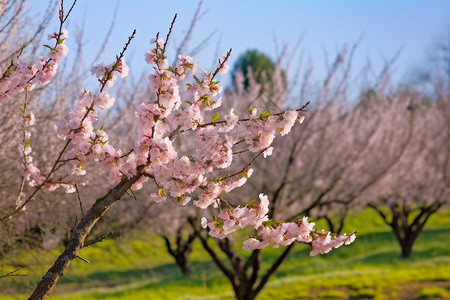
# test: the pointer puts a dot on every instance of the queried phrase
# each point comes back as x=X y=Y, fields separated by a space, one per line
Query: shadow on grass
x=166 y=274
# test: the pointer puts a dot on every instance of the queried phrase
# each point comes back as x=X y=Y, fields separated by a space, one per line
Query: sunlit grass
x=136 y=266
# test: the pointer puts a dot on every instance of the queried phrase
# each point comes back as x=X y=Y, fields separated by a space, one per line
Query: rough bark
x=79 y=234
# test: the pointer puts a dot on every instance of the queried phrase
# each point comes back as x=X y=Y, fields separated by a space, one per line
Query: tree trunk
x=182 y=251
x=243 y=291
x=407 y=233
x=407 y=246
x=183 y=262
x=79 y=234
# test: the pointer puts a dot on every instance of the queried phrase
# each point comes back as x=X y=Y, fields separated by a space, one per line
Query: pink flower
x=122 y=68
x=252 y=244
x=224 y=69
x=150 y=57
x=204 y=222
x=289 y=119
x=98 y=69
x=231 y=119
x=268 y=152
x=104 y=100
x=158 y=198
x=59 y=52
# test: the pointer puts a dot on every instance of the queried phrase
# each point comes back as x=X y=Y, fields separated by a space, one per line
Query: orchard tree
x=40 y=226
x=279 y=176
x=163 y=117
x=418 y=185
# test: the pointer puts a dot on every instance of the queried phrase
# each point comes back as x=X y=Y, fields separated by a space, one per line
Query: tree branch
x=76 y=241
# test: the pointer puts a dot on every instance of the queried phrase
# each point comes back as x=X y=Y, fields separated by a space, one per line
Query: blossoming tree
x=163 y=117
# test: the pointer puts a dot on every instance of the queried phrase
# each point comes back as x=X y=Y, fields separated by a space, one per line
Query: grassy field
x=135 y=266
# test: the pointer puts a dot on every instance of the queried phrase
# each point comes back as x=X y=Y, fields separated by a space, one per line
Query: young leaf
x=196 y=79
x=215 y=117
x=265 y=114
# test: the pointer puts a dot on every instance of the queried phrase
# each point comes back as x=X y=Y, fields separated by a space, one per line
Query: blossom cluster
x=173 y=109
x=270 y=231
x=23 y=73
x=165 y=115
x=90 y=143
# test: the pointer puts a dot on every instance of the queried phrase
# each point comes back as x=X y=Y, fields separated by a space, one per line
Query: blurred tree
x=419 y=184
x=260 y=65
x=306 y=169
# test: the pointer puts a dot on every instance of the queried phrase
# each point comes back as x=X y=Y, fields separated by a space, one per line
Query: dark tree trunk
x=244 y=272
x=243 y=290
x=407 y=246
x=79 y=234
x=406 y=232
x=182 y=251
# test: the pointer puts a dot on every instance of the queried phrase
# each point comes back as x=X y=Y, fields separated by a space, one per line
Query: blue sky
x=385 y=27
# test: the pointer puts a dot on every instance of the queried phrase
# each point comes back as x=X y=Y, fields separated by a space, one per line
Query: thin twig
x=169 y=33
x=11 y=274
x=98 y=240
x=79 y=200
x=83 y=259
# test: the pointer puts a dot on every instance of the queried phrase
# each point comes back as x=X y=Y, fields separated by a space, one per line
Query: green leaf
x=9 y=70
x=60 y=41
x=251 y=203
x=265 y=114
x=206 y=100
x=80 y=165
x=269 y=223
x=250 y=109
x=196 y=79
x=215 y=117
x=47 y=46
x=161 y=192
x=180 y=199
x=27 y=143
x=245 y=174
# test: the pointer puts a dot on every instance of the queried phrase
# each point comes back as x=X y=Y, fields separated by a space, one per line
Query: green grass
x=136 y=266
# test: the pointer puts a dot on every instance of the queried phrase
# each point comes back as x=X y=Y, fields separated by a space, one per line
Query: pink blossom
x=268 y=152
x=204 y=222
x=122 y=68
x=231 y=119
x=289 y=119
x=104 y=100
x=59 y=52
x=224 y=69
x=98 y=69
x=150 y=57
x=252 y=244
